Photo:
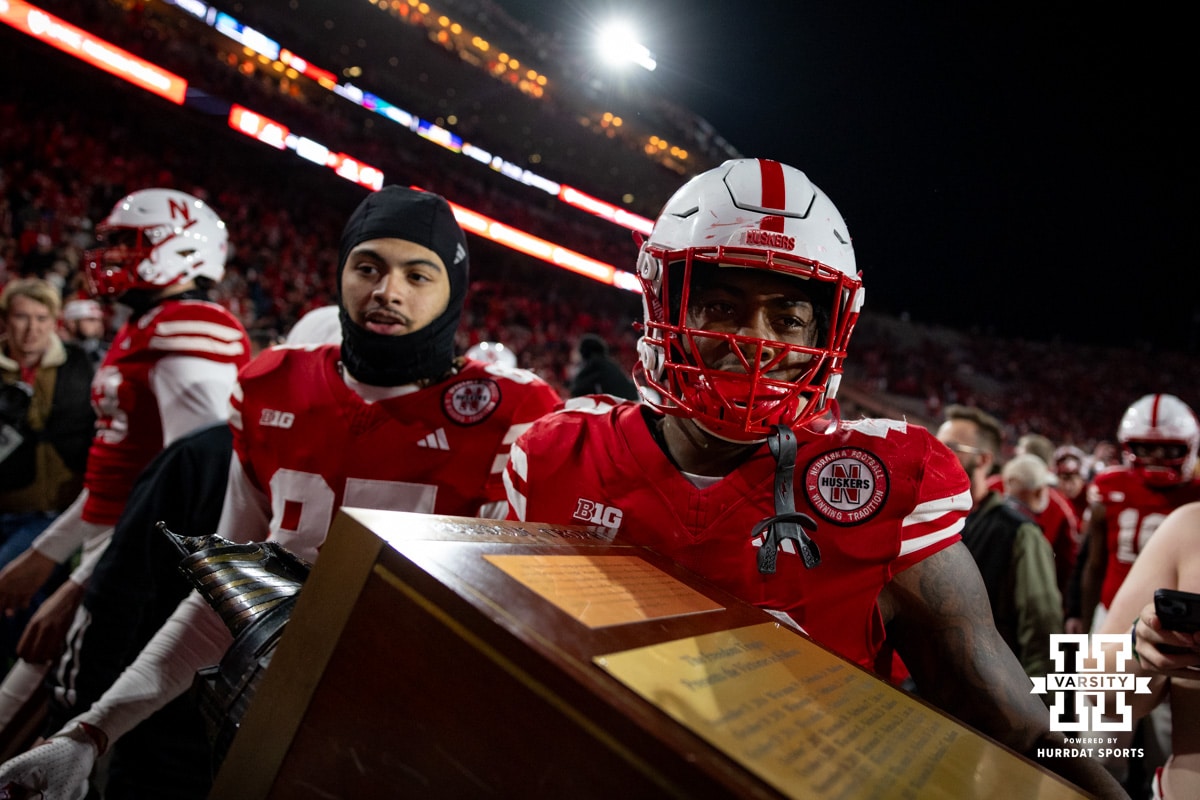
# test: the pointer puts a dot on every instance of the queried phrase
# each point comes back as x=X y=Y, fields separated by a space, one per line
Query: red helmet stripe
x=774 y=188
x=1154 y=411
x=774 y=194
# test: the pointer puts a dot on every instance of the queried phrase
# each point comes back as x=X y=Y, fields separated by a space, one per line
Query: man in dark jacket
x=47 y=425
x=1013 y=556
x=599 y=374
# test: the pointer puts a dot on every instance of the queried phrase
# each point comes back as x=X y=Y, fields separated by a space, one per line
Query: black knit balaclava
x=397 y=212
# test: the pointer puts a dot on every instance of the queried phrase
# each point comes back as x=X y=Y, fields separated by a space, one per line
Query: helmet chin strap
x=787 y=523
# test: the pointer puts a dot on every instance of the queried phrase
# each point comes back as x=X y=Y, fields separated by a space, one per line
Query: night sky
x=1017 y=170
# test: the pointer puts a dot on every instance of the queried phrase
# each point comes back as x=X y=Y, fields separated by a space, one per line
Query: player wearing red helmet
x=1159 y=438
x=736 y=465
x=1158 y=435
x=169 y=371
x=414 y=428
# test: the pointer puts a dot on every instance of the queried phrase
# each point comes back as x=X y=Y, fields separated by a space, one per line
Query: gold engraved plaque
x=810 y=724
x=604 y=590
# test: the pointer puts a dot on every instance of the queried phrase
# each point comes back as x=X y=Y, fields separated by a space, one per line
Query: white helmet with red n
x=156 y=238
x=1159 y=438
x=745 y=214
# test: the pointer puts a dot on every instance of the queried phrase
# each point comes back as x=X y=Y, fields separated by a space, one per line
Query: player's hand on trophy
x=58 y=768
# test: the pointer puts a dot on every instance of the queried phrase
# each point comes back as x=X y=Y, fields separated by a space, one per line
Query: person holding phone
x=1165 y=652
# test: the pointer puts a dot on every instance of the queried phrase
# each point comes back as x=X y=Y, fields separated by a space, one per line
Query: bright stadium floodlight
x=618 y=45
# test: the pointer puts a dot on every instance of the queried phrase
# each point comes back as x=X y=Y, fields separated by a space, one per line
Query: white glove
x=59 y=768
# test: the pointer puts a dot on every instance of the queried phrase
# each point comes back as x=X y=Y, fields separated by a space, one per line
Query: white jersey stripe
x=499 y=463
x=195 y=327
x=921 y=542
x=196 y=344
x=516 y=499
x=932 y=509
x=520 y=462
x=515 y=431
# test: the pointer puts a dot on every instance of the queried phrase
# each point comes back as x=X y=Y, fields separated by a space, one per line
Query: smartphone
x=1178 y=611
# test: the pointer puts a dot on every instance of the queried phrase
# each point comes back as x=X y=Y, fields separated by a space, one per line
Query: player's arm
x=536 y=400
x=1159 y=566
x=1092 y=577
x=938 y=616
x=246 y=514
x=192 y=638
x=23 y=576
x=192 y=393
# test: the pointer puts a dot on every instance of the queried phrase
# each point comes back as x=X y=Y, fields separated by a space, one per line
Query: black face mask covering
x=397 y=212
x=381 y=360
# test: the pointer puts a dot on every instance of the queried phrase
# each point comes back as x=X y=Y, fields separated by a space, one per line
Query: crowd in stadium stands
x=57 y=177
x=67 y=155
x=218 y=68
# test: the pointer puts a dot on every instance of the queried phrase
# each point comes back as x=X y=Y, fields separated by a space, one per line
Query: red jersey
x=883 y=496
x=312 y=444
x=129 y=416
x=1133 y=510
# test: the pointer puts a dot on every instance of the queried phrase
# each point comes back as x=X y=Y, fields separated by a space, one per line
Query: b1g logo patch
x=846 y=486
x=470 y=402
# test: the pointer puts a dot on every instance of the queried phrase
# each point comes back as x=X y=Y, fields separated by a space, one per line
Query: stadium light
x=618 y=45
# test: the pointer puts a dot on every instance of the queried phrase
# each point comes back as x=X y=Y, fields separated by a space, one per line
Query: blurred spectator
x=45 y=408
x=598 y=373
x=1070 y=465
x=1056 y=517
x=1013 y=555
x=83 y=323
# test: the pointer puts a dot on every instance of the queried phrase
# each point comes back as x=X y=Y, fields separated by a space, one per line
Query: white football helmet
x=493 y=353
x=1159 y=438
x=155 y=238
x=745 y=214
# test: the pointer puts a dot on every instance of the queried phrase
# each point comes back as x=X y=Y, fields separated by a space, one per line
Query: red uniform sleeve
x=199 y=329
x=536 y=399
x=943 y=501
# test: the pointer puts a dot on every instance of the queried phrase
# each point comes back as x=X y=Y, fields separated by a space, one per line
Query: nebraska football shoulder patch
x=469 y=402
x=846 y=486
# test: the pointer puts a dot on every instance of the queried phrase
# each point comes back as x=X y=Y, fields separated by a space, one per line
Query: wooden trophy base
x=443 y=657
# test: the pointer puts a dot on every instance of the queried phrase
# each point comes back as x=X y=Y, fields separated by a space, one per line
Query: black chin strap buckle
x=787 y=523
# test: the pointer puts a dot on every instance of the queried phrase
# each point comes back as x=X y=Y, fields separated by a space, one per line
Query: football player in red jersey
x=169 y=370
x=388 y=419
x=736 y=466
x=1159 y=438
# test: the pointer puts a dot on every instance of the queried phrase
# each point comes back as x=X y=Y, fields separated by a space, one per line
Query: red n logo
x=179 y=209
x=840 y=473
